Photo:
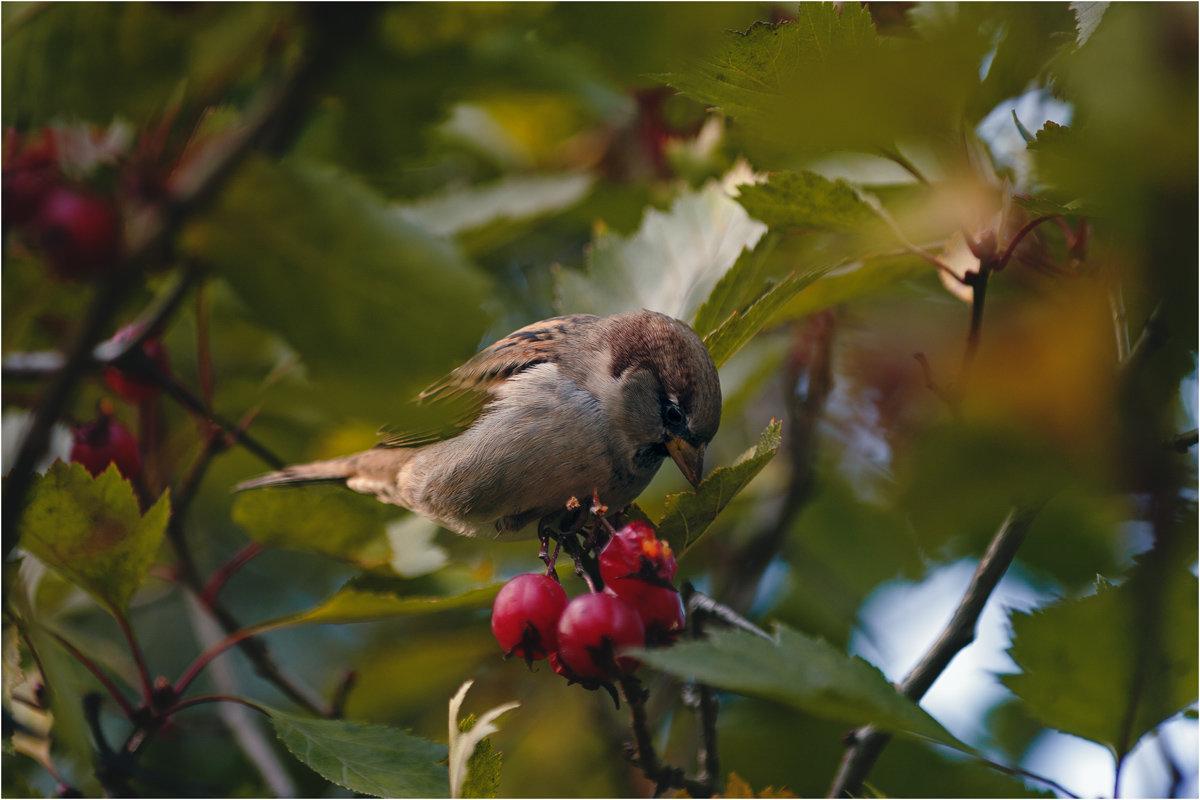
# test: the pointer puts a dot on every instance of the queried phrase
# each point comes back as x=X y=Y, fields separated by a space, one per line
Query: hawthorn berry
x=525 y=615
x=28 y=176
x=79 y=231
x=634 y=560
x=131 y=388
x=105 y=441
x=661 y=610
x=593 y=630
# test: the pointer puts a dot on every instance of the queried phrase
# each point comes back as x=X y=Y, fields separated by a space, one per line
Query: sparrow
x=571 y=407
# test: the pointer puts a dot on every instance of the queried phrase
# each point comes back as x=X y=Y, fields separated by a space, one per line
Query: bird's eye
x=673 y=414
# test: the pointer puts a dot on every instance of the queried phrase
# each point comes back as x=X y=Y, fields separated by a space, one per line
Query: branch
x=807 y=381
x=960 y=632
x=28 y=366
x=710 y=763
x=191 y=188
x=700 y=603
x=664 y=776
x=978 y=281
x=1182 y=442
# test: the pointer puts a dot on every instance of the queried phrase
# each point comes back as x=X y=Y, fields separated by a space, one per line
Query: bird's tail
x=335 y=470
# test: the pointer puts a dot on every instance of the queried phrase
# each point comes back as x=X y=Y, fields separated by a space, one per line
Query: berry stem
x=136 y=651
x=223 y=573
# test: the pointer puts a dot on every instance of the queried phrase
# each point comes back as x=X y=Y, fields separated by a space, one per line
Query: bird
x=562 y=411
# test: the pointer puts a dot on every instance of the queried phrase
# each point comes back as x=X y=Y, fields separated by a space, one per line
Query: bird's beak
x=690 y=459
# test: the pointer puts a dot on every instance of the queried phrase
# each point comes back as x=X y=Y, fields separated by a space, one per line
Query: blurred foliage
x=457 y=170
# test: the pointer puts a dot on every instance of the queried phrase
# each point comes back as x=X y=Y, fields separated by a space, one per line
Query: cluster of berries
x=52 y=203
x=76 y=229
x=104 y=440
x=583 y=638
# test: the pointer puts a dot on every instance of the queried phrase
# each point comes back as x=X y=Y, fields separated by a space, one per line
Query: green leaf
x=802 y=672
x=368 y=598
x=806 y=201
x=99 y=60
x=370 y=759
x=91 y=531
x=483 y=770
x=688 y=514
x=827 y=82
x=474 y=766
x=737 y=287
x=670 y=265
x=281 y=233
x=740 y=327
x=844 y=283
x=326 y=519
x=1080 y=659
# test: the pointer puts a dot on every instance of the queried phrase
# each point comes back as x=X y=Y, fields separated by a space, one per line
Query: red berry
x=28 y=176
x=635 y=559
x=131 y=388
x=80 y=232
x=557 y=665
x=106 y=441
x=525 y=615
x=592 y=632
x=661 y=610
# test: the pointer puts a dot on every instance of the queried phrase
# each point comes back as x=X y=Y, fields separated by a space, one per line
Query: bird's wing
x=460 y=397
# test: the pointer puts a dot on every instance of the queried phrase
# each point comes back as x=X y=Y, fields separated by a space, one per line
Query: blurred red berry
x=29 y=175
x=105 y=441
x=79 y=231
x=592 y=632
x=130 y=387
x=636 y=559
x=525 y=615
x=661 y=610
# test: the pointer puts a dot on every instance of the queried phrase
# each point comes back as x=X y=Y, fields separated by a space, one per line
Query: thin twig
x=217 y=580
x=665 y=776
x=337 y=704
x=869 y=742
x=710 y=762
x=214 y=698
x=1024 y=773
x=105 y=681
x=200 y=662
x=195 y=404
x=181 y=500
x=47 y=364
x=978 y=281
x=701 y=603
x=135 y=650
x=807 y=382
x=898 y=232
x=1019 y=236
x=246 y=731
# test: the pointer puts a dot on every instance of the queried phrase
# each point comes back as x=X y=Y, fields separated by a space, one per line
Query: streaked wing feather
x=466 y=391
